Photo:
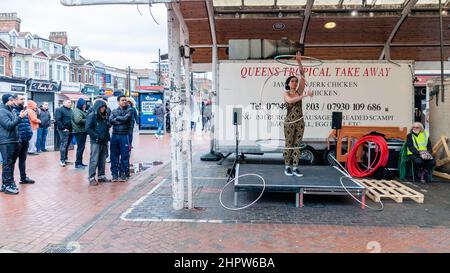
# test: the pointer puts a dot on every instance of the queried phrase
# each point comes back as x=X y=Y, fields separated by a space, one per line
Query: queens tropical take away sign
x=368 y=93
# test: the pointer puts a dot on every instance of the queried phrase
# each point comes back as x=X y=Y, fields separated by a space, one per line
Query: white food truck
x=378 y=93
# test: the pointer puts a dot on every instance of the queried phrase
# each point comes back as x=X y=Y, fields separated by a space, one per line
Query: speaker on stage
x=336 y=120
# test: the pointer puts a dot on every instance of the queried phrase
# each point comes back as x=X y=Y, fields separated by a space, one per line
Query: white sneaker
x=288 y=171
x=296 y=172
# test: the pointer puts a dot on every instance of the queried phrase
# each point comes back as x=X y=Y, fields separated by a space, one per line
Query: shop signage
x=41 y=86
x=18 y=88
x=70 y=87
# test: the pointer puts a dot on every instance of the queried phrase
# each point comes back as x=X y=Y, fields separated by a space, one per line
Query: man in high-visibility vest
x=419 y=140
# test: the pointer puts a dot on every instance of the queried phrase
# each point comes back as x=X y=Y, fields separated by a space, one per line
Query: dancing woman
x=294 y=125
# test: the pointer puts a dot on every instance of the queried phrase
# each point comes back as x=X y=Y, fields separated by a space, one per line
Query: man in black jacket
x=9 y=142
x=120 y=119
x=25 y=135
x=63 y=119
x=97 y=126
x=44 y=116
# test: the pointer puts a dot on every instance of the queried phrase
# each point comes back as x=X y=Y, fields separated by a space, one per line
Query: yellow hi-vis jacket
x=420 y=141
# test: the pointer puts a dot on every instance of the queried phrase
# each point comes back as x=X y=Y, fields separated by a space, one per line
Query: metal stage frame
x=317 y=180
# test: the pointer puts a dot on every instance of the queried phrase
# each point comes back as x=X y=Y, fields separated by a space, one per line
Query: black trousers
x=22 y=154
x=81 y=144
x=65 y=138
x=422 y=164
x=9 y=155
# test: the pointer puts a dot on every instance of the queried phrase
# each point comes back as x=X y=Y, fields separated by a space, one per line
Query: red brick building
x=5 y=59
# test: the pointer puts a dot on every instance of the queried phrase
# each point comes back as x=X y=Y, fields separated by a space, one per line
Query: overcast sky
x=117 y=35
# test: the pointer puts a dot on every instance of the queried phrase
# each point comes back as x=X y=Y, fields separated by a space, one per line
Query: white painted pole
x=187 y=106
x=173 y=27
x=214 y=69
x=187 y=69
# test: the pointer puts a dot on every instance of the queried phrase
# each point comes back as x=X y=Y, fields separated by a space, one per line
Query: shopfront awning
x=72 y=96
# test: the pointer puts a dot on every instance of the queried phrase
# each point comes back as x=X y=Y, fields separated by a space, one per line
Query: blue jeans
x=41 y=139
x=160 y=128
x=120 y=155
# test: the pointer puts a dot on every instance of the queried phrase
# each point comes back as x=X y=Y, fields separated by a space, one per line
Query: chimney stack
x=9 y=21
x=59 y=37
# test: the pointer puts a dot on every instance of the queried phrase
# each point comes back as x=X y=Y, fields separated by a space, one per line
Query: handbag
x=425 y=155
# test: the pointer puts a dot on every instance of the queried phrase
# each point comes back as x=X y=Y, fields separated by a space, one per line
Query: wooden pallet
x=442 y=143
x=377 y=189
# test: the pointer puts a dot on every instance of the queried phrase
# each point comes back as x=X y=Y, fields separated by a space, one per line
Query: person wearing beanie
x=25 y=135
x=45 y=117
x=63 y=121
x=34 y=122
x=79 y=115
x=9 y=142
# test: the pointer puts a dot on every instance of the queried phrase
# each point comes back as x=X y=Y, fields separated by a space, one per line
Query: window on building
x=27 y=43
x=79 y=77
x=50 y=69
x=72 y=75
x=64 y=73
x=2 y=65
x=27 y=69
x=12 y=40
x=18 y=69
x=58 y=72
x=46 y=46
x=36 y=70
x=43 y=71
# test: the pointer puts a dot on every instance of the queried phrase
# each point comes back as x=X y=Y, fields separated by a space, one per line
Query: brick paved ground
x=61 y=210
x=61 y=200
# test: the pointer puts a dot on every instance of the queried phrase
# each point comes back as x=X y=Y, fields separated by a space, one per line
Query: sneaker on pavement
x=123 y=178
x=297 y=172
x=62 y=163
x=115 y=179
x=93 y=182
x=288 y=171
x=84 y=165
x=79 y=167
x=11 y=189
x=2 y=188
x=104 y=179
x=27 y=180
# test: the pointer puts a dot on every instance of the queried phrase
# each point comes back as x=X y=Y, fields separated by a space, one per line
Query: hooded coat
x=159 y=113
x=9 y=132
x=32 y=115
x=79 y=117
x=25 y=132
x=97 y=125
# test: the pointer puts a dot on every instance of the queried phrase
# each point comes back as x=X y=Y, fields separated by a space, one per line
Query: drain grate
x=59 y=249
